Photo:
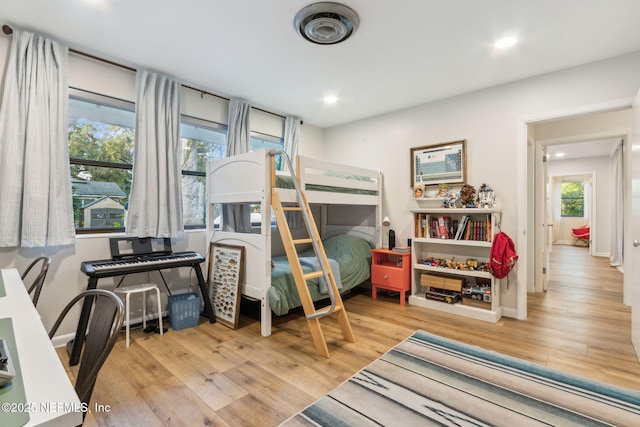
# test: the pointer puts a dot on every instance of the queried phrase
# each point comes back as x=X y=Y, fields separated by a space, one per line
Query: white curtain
x=291 y=138
x=617 y=202
x=35 y=193
x=237 y=217
x=239 y=132
x=155 y=203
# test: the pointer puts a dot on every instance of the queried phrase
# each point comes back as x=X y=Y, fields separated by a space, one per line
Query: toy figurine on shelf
x=443 y=190
x=418 y=191
x=449 y=201
x=486 y=197
x=467 y=197
x=472 y=263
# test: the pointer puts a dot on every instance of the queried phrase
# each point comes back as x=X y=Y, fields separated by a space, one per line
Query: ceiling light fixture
x=330 y=99
x=326 y=22
x=560 y=154
x=505 y=42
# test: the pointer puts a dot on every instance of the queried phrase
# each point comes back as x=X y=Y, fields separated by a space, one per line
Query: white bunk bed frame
x=246 y=178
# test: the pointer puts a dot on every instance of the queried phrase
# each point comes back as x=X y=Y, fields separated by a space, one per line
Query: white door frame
x=633 y=220
x=525 y=162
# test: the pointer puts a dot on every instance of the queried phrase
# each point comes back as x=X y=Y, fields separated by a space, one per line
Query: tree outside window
x=101 y=139
x=572 y=199
x=101 y=150
x=201 y=141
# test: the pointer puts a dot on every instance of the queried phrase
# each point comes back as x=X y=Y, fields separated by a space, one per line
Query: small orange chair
x=582 y=234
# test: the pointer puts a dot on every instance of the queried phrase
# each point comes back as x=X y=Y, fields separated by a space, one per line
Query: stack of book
x=474 y=229
x=445 y=227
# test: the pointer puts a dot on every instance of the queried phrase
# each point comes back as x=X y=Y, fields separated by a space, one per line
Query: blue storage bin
x=184 y=310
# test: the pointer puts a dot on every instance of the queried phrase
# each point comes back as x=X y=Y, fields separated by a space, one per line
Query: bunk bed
x=347 y=207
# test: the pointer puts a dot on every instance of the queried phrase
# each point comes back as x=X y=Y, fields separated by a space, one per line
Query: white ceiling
x=405 y=53
x=577 y=150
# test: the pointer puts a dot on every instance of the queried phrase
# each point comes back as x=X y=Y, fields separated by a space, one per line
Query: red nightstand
x=392 y=271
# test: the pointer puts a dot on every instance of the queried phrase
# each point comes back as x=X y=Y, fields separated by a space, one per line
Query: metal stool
x=128 y=290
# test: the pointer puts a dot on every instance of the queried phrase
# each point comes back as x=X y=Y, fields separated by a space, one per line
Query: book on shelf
x=443 y=226
x=433 y=227
x=468 y=227
x=461 y=227
x=421 y=225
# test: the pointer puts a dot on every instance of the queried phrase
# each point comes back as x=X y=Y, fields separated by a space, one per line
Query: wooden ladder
x=313 y=316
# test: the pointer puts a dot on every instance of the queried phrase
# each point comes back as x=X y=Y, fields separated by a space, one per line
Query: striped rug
x=430 y=380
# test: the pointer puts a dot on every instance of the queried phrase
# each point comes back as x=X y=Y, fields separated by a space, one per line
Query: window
x=572 y=199
x=101 y=141
x=258 y=142
x=261 y=140
x=201 y=141
x=101 y=150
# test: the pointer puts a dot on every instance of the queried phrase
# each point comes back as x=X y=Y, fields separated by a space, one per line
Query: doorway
x=572 y=199
x=587 y=141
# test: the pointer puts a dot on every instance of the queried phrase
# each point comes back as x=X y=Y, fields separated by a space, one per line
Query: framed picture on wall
x=224 y=279
x=432 y=165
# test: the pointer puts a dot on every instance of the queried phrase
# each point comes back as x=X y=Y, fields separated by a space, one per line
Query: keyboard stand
x=74 y=347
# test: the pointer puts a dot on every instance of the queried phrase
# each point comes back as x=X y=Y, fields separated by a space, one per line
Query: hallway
x=583 y=309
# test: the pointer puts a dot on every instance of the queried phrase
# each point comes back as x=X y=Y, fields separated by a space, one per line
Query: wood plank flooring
x=212 y=375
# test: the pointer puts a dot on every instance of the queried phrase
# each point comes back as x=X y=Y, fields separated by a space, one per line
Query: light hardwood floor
x=212 y=375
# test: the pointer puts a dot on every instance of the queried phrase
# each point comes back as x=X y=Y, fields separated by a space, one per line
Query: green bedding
x=353 y=255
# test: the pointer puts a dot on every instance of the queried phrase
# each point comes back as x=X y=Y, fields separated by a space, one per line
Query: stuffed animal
x=467 y=197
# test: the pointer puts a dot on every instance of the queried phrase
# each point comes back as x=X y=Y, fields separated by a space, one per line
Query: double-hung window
x=101 y=150
x=101 y=142
x=202 y=140
x=572 y=199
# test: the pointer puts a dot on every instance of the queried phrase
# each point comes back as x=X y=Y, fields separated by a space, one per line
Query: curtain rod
x=8 y=31
x=227 y=99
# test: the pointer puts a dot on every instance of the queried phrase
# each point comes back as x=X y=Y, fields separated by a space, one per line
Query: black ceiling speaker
x=326 y=22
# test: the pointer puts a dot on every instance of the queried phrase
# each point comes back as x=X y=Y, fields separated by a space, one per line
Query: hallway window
x=572 y=197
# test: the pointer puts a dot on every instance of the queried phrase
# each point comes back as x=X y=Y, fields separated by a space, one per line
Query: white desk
x=45 y=381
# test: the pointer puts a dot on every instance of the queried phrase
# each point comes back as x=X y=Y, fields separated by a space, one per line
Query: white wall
x=489 y=121
x=311 y=141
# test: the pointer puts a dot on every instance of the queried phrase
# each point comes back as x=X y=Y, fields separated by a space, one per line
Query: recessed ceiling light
x=560 y=154
x=330 y=99
x=505 y=42
x=101 y=4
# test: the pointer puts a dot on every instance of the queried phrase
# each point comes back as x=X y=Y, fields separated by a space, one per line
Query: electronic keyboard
x=139 y=264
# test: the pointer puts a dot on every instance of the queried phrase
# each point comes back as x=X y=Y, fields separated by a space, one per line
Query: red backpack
x=503 y=255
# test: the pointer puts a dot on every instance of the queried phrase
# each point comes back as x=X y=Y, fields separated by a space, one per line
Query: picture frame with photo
x=225 y=272
x=433 y=165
